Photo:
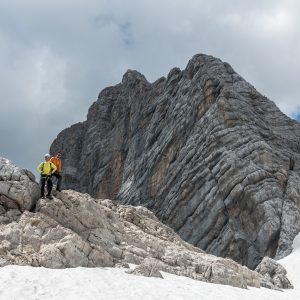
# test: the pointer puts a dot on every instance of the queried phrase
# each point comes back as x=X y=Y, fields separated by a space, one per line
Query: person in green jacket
x=46 y=169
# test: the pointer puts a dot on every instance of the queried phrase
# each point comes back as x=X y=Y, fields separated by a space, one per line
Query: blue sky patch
x=296 y=117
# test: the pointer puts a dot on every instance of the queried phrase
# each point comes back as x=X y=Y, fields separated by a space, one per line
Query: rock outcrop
x=75 y=230
x=202 y=149
x=18 y=191
x=273 y=272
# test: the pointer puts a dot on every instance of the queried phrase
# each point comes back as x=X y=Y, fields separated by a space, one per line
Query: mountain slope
x=208 y=154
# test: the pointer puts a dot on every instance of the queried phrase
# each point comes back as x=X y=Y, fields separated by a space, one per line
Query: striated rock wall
x=207 y=153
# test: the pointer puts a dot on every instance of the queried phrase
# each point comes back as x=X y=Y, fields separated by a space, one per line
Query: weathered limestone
x=74 y=230
x=207 y=153
x=18 y=191
x=274 y=273
x=148 y=268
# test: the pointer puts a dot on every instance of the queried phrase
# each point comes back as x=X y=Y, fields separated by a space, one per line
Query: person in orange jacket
x=56 y=160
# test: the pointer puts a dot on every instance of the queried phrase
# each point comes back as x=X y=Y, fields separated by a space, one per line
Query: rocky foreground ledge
x=75 y=230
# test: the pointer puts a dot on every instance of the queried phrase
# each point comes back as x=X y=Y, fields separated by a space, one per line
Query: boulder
x=274 y=273
x=18 y=191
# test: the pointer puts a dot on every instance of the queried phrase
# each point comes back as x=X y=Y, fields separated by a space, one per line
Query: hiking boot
x=49 y=197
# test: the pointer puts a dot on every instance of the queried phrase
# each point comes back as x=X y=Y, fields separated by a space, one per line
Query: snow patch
x=292 y=263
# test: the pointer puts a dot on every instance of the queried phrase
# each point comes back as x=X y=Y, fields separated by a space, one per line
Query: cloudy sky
x=56 y=56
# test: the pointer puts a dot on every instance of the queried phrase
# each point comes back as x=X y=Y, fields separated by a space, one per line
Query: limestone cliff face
x=206 y=152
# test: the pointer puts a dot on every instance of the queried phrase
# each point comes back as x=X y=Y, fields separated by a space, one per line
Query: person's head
x=47 y=157
x=58 y=155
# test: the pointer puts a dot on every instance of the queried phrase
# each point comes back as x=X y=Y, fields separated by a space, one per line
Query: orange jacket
x=57 y=163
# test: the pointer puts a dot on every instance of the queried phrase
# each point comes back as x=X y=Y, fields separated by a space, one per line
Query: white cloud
x=48 y=90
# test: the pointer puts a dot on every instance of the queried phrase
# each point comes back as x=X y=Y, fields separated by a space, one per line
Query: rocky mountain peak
x=132 y=77
x=203 y=149
x=208 y=64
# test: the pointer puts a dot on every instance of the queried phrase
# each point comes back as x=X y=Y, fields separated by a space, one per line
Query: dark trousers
x=45 y=179
x=58 y=176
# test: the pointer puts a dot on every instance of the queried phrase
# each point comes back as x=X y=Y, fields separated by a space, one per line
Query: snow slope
x=22 y=283
x=292 y=263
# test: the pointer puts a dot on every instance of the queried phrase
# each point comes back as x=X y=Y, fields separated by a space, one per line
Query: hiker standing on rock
x=46 y=169
x=56 y=160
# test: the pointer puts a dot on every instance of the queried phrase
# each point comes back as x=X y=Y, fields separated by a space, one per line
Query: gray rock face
x=18 y=191
x=207 y=153
x=274 y=273
x=75 y=230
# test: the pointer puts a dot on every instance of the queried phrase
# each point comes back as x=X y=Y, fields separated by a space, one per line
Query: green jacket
x=46 y=168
